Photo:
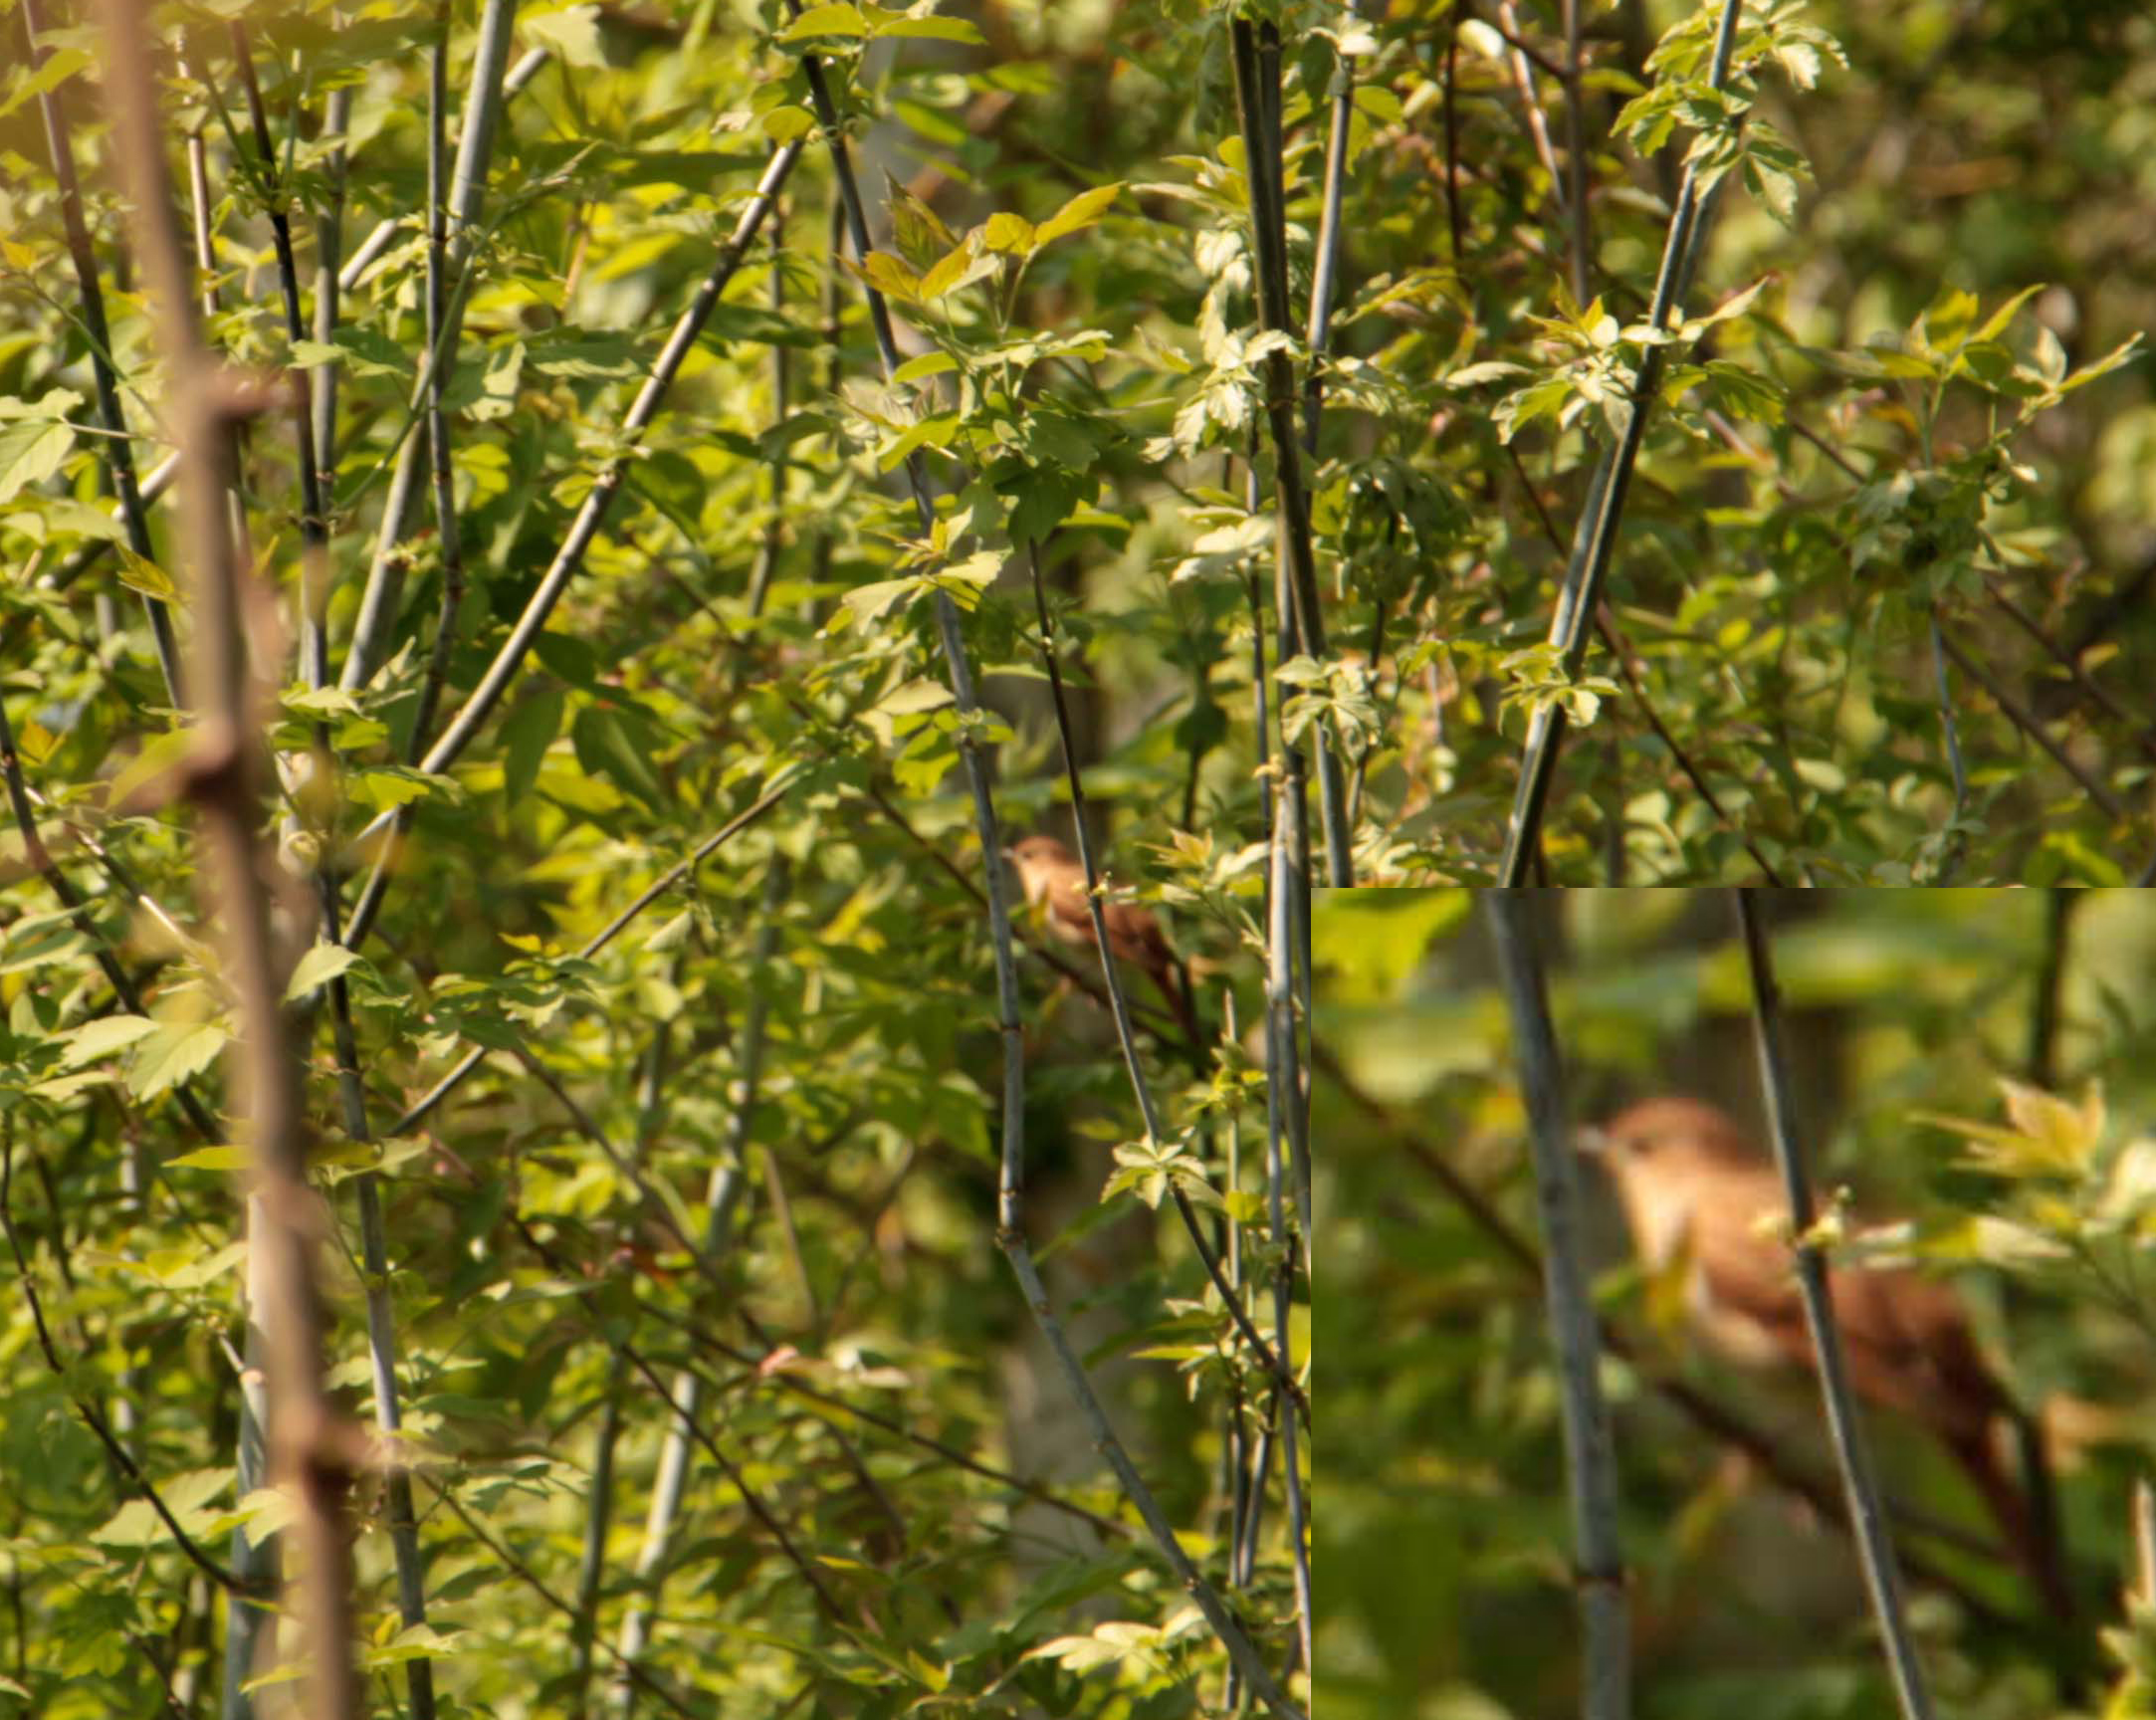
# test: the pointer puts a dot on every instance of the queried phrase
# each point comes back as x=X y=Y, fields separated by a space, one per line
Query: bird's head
x=1659 y=1132
x=1030 y=851
x=1040 y=860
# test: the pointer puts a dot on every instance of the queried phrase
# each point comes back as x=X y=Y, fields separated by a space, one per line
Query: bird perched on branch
x=1055 y=880
x=1700 y=1196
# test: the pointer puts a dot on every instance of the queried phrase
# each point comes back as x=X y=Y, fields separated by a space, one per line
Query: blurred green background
x=1441 y=1521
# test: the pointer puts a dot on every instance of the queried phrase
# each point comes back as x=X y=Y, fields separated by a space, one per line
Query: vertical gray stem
x=384 y=590
x=1589 y=1461
x=1257 y=94
x=1868 y=1519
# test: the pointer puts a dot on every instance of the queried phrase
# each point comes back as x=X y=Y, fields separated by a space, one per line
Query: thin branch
x=1324 y=277
x=696 y=1332
x=1118 y=1008
x=313 y=522
x=530 y=1580
x=568 y=559
x=599 y=1498
x=2143 y=736
x=1595 y=538
x=685 y=1417
x=329 y=279
x=1620 y=651
x=1583 y=244
x=1256 y=95
x=775 y=530
x=312 y=1450
x=2024 y=719
x=1285 y=1102
x=2039 y=1481
x=1591 y=1463
x=1874 y=1550
x=614 y=927
x=1620 y=648
x=447 y=533
x=1951 y=733
x=381 y=598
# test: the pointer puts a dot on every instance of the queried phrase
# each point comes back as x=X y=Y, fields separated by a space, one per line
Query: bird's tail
x=2034 y=1546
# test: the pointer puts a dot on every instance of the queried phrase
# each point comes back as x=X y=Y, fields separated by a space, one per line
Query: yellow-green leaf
x=210 y=1158
x=1081 y=211
x=836 y=20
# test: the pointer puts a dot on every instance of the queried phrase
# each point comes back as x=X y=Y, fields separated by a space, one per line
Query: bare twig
x=484 y=97
x=1591 y=1464
x=1866 y=1519
x=1256 y=98
x=313 y=1452
x=613 y=928
x=2024 y=719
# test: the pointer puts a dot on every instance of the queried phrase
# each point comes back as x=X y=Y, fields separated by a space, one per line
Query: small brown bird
x=1052 y=875
x=1696 y=1189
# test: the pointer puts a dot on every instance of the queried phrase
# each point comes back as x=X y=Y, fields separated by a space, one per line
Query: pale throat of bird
x=1663 y=1212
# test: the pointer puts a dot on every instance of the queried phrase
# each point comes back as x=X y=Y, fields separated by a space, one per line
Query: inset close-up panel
x=1742 y=1302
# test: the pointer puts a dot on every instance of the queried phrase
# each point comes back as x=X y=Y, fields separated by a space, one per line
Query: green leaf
x=783 y=125
x=176 y=1052
x=834 y=20
x=212 y=1158
x=922 y=368
x=889 y=276
x=139 y=574
x=1083 y=210
x=101 y=1038
x=531 y=729
x=929 y=28
x=958 y=268
x=573 y=33
x=187 y=1496
x=869 y=602
x=59 y=66
x=414 y=1643
x=608 y=744
x=316 y=969
x=1009 y=233
x=192 y=1267
x=32 y=449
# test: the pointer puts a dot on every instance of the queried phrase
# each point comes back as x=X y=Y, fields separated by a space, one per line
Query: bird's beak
x=1009 y=853
x=1590 y=1139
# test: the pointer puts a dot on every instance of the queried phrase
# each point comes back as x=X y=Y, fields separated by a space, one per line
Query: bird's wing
x=1134 y=935
x=1751 y=1301
x=1067 y=909
x=1916 y=1340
